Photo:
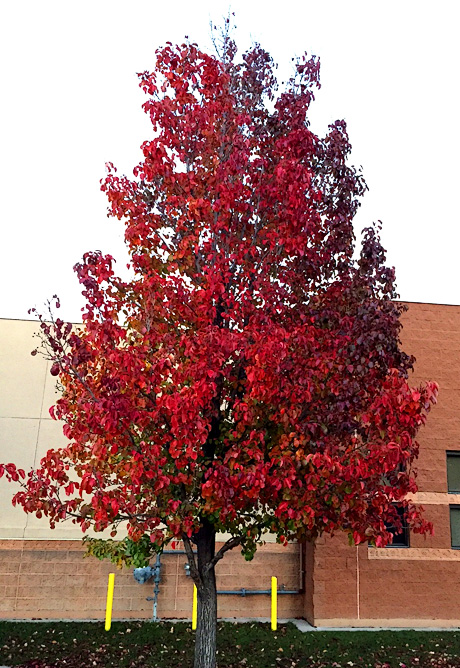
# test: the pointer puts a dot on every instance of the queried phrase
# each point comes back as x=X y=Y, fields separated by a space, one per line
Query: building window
x=453 y=472
x=400 y=536
x=400 y=539
x=455 y=526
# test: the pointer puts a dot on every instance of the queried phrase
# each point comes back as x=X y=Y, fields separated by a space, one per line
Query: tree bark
x=206 y=631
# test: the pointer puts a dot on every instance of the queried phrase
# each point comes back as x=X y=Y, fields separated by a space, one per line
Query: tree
x=249 y=377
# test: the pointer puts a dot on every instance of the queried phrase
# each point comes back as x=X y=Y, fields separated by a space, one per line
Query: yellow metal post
x=194 y=608
x=108 y=610
x=274 y=603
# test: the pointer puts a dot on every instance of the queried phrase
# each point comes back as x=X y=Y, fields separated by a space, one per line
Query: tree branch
x=229 y=545
x=191 y=560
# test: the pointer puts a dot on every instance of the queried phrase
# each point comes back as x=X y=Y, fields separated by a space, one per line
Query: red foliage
x=249 y=376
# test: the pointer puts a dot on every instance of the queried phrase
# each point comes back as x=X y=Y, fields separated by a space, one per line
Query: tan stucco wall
x=27 y=390
x=27 y=432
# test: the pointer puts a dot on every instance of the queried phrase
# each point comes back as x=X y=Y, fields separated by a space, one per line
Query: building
x=43 y=573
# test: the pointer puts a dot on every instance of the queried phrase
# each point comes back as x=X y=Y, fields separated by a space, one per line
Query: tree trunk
x=206 y=631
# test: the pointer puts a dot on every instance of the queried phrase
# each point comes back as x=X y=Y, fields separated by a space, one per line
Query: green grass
x=166 y=645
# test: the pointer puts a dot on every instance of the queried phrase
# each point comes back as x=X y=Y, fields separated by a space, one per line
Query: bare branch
x=191 y=560
x=229 y=545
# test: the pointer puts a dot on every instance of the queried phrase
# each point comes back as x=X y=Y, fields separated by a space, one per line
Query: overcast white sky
x=71 y=102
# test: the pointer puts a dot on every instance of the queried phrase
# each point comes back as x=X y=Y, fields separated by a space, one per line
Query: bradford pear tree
x=248 y=378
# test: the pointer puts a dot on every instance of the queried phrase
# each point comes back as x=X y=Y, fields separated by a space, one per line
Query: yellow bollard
x=108 y=610
x=194 y=608
x=274 y=603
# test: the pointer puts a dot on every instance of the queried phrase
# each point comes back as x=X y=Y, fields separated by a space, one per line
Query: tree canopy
x=249 y=377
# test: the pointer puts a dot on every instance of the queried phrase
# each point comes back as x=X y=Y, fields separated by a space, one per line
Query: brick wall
x=52 y=580
x=361 y=586
x=418 y=585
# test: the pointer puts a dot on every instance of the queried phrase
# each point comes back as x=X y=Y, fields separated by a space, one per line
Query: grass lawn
x=166 y=645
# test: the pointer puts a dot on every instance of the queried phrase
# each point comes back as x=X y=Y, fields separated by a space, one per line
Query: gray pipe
x=245 y=592
x=156 y=589
x=251 y=592
x=224 y=592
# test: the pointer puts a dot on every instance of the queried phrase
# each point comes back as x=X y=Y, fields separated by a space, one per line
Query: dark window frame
x=403 y=536
x=453 y=454
x=453 y=506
